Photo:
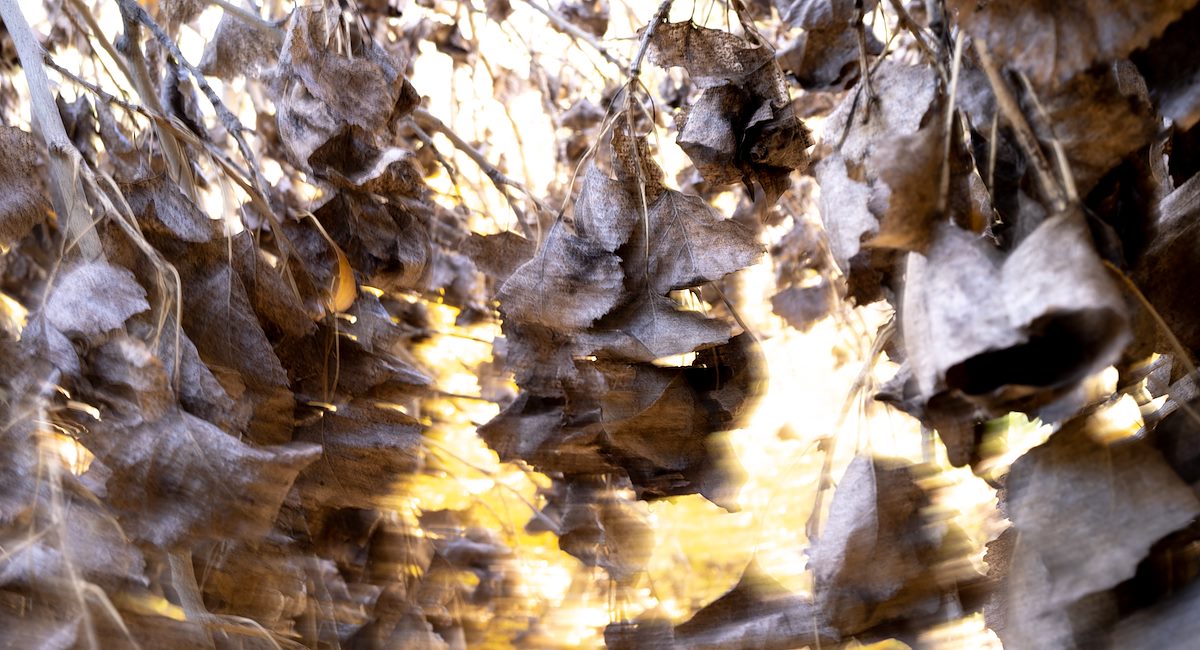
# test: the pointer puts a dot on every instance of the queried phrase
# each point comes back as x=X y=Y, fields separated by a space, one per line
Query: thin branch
x=906 y=22
x=660 y=16
x=134 y=11
x=1060 y=154
x=170 y=125
x=129 y=45
x=498 y=178
x=948 y=126
x=131 y=10
x=250 y=18
x=98 y=34
x=1025 y=136
x=66 y=190
x=574 y=31
x=537 y=513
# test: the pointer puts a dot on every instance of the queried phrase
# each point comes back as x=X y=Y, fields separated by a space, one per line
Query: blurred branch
x=1024 y=134
x=246 y=16
x=66 y=190
x=570 y=28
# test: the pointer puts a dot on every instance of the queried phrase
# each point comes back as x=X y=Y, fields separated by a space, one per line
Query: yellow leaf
x=149 y=605
x=343 y=289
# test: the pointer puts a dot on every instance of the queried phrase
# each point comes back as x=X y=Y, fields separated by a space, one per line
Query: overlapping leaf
x=1053 y=41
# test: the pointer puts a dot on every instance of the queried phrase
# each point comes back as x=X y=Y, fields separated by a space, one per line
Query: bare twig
x=498 y=178
x=1185 y=357
x=1060 y=154
x=860 y=31
x=906 y=22
x=660 y=16
x=131 y=10
x=66 y=190
x=98 y=34
x=170 y=125
x=537 y=513
x=246 y=16
x=1025 y=136
x=944 y=181
x=129 y=45
x=571 y=29
x=428 y=141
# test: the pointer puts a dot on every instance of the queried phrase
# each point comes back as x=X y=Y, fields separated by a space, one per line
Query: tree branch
x=66 y=190
x=574 y=31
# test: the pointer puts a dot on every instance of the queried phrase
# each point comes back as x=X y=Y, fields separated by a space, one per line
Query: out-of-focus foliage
x=442 y=324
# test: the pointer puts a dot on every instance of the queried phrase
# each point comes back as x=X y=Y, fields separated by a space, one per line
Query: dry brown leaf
x=711 y=56
x=569 y=284
x=386 y=244
x=220 y=320
x=362 y=443
x=263 y=580
x=499 y=255
x=201 y=392
x=1161 y=626
x=179 y=479
x=600 y=528
x=873 y=547
x=853 y=191
x=742 y=127
x=653 y=414
x=690 y=245
x=239 y=49
x=1165 y=269
x=499 y=10
x=1004 y=331
x=18 y=475
x=606 y=210
x=1019 y=615
x=1085 y=515
x=1053 y=41
x=822 y=14
x=1098 y=121
x=910 y=169
x=131 y=376
x=589 y=15
x=1172 y=70
x=319 y=91
x=1090 y=528
x=801 y=306
x=757 y=612
x=92 y=298
x=47 y=343
x=652 y=327
x=529 y=424
x=159 y=200
x=87 y=541
x=825 y=59
x=711 y=134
